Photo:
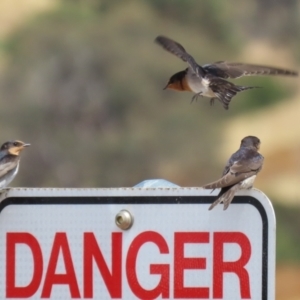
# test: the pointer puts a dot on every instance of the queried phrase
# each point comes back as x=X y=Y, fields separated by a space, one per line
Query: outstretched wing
x=225 y=70
x=178 y=50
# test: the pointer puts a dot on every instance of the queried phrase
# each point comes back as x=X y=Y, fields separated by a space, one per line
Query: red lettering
x=113 y=280
x=162 y=269
x=112 y=277
x=69 y=278
x=28 y=239
x=237 y=267
x=182 y=263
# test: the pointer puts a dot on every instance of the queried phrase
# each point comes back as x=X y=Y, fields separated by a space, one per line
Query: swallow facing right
x=9 y=161
x=240 y=171
x=209 y=80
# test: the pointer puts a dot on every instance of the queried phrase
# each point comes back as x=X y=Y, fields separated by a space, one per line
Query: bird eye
x=15 y=144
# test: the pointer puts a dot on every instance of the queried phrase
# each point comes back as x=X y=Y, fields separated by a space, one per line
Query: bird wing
x=227 y=168
x=5 y=167
x=229 y=179
x=247 y=164
x=225 y=70
x=238 y=171
x=178 y=50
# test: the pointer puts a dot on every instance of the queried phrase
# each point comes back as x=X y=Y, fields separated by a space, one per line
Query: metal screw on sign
x=124 y=219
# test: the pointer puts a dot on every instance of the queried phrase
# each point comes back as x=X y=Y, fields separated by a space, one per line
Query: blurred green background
x=82 y=82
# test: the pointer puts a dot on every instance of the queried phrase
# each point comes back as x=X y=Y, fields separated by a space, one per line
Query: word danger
x=110 y=272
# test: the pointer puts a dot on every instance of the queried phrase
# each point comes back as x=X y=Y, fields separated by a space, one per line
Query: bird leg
x=196 y=96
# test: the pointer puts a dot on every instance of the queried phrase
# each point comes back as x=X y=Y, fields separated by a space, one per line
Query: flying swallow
x=210 y=80
x=9 y=161
x=240 y=171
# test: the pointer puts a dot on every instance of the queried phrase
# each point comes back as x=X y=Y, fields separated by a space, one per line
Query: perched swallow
x=240 y=171
x=209 y=80
x=9 y=161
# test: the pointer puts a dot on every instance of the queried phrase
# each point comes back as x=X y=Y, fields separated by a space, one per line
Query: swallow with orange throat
x=9 y=161
x=210 y=80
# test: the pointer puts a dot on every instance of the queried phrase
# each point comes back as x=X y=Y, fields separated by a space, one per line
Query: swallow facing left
x=240 y=171
x=9 y=161
x=209 y=80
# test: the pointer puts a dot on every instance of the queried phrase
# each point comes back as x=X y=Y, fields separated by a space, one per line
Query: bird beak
x=17 y=149
x=166 y=86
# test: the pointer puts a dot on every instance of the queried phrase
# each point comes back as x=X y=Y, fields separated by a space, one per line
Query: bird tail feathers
x=226 y=195
x=225 y=93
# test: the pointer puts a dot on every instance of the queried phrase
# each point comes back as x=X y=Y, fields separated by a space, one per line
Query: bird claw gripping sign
x=135 y=243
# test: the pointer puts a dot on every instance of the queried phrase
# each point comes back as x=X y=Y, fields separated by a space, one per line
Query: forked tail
x=225 y=90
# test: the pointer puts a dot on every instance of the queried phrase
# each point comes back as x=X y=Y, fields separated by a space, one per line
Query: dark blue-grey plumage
x=9 y=161
x=210 y=80
x=240 y=171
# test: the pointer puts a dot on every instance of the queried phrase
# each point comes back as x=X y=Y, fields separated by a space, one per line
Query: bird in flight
x=210 y=80
x=240 y=171
x=9 y=161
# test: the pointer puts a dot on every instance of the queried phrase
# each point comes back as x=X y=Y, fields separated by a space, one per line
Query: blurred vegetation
x=288 y=233
x=83 y=84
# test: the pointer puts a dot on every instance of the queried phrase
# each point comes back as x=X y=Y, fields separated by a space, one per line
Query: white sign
x=65 y=244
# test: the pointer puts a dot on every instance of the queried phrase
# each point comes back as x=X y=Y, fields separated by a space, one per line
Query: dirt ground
x=288 y=283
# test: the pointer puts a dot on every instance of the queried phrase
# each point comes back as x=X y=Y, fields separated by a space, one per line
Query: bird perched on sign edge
x=210 y=80
x=9 y=161
x=240 y=171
